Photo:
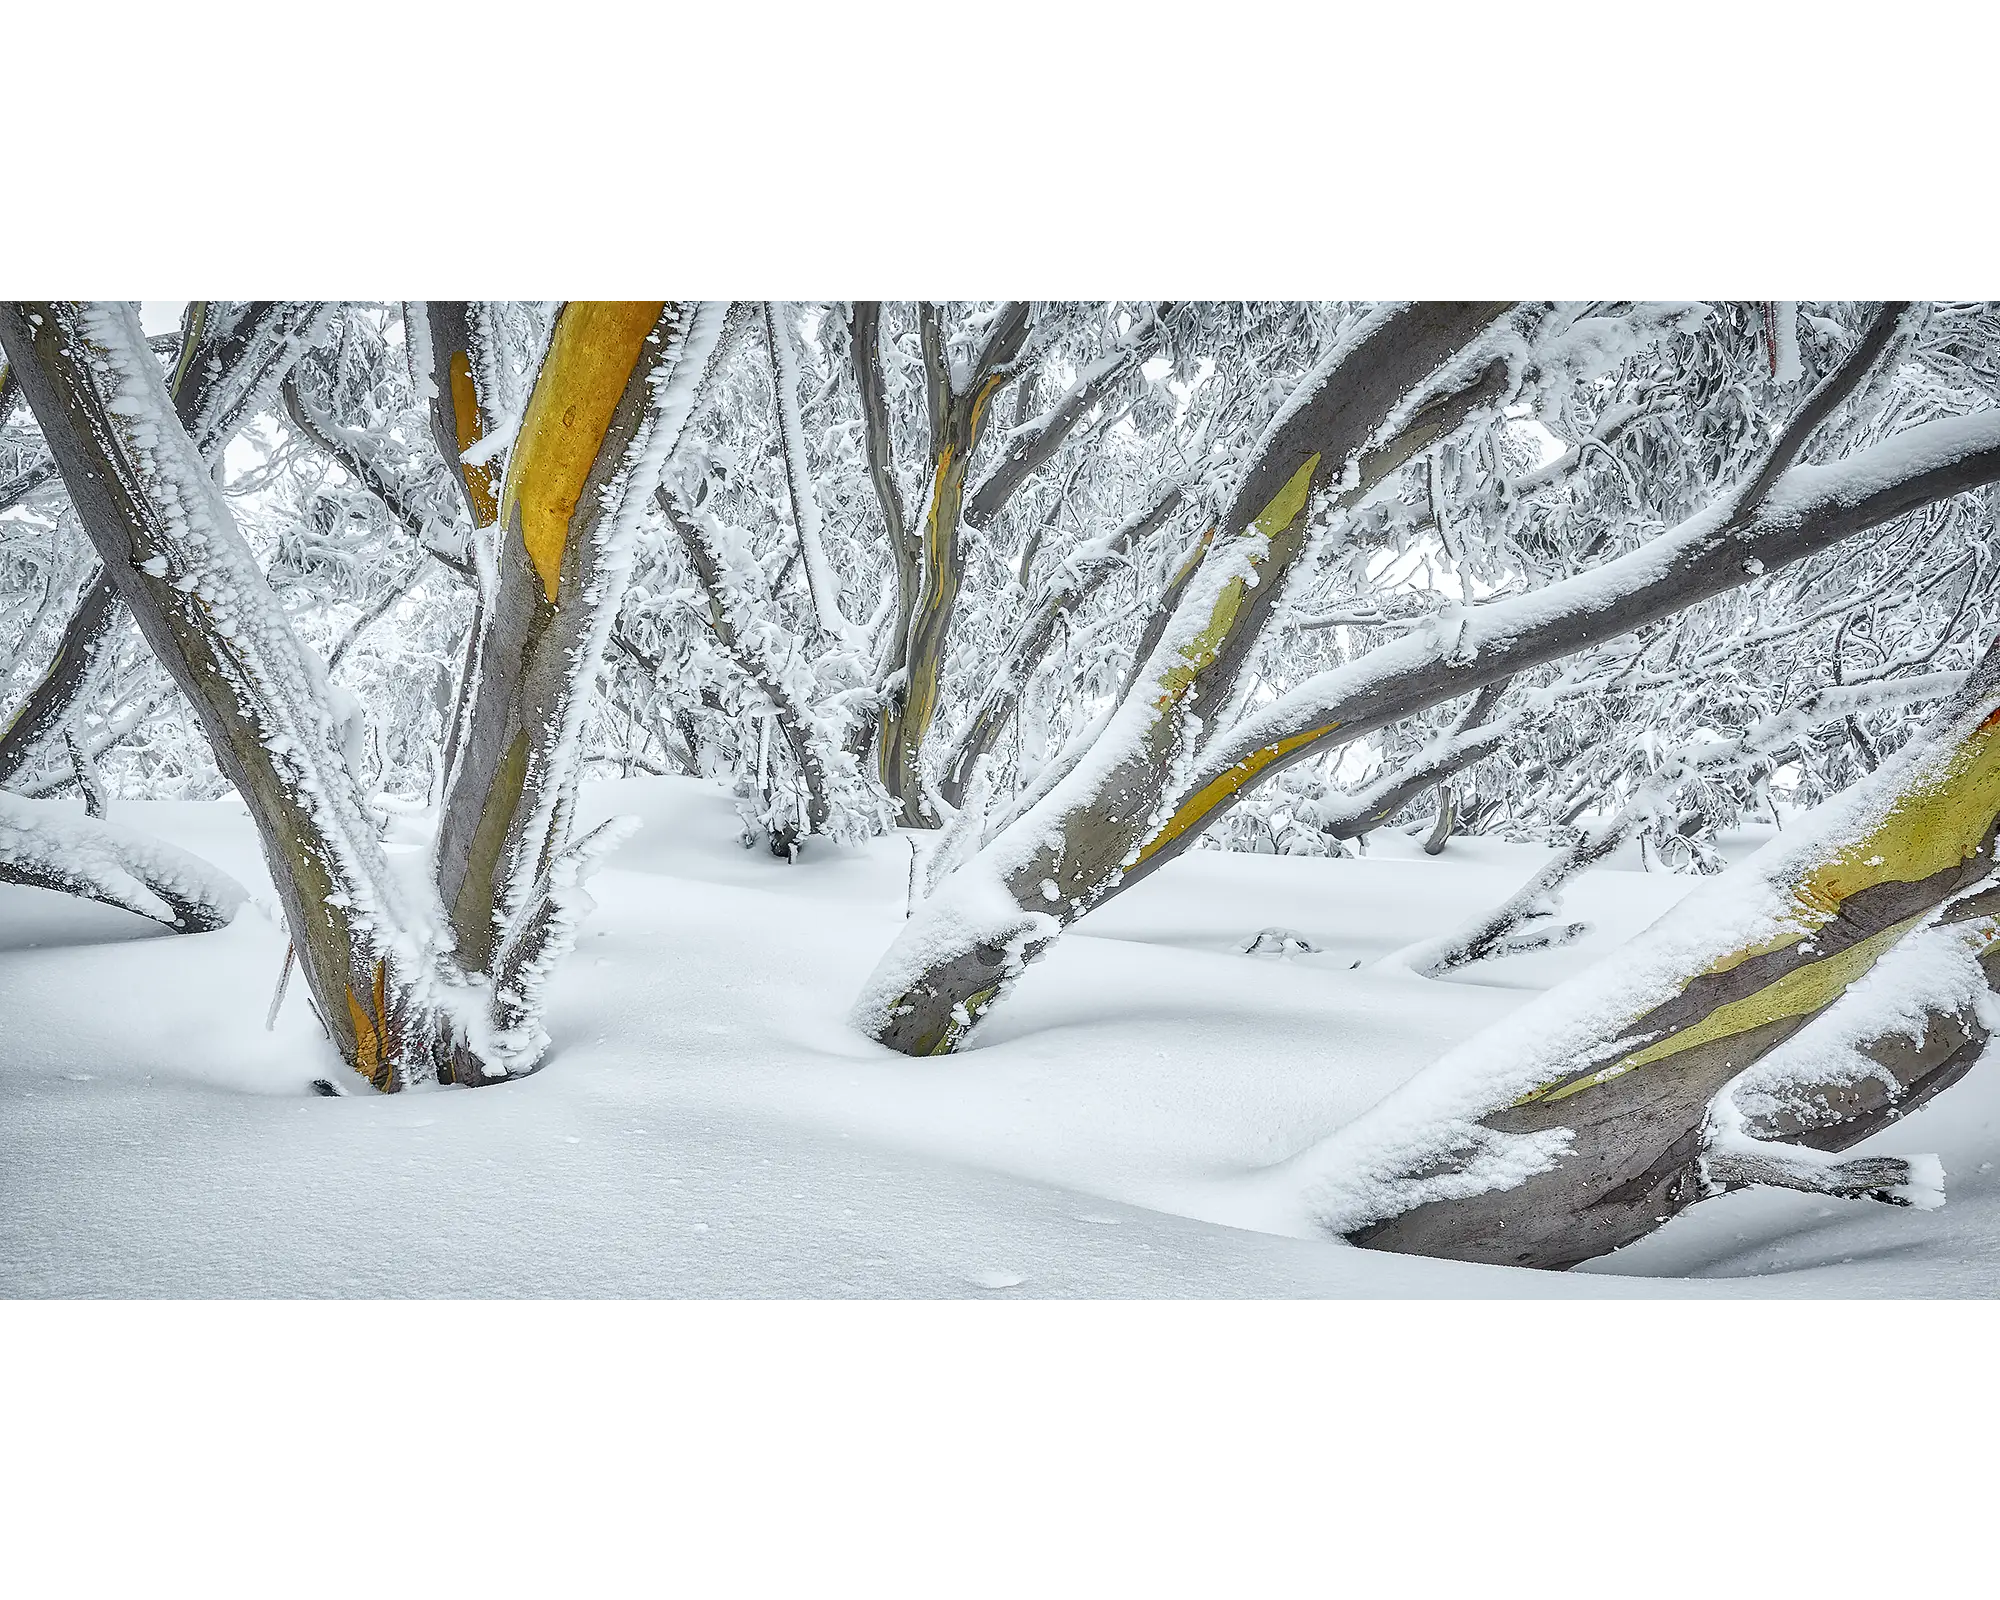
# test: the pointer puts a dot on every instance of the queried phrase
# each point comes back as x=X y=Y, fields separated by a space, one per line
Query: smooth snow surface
x=709 y=1125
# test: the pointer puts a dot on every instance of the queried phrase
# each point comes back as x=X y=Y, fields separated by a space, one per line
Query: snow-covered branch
x=47 y=846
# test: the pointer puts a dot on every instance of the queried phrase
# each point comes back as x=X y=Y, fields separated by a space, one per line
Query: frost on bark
x=613 y=371
x=169 y=544
x=736 y=628
x=229 y=355
x=1398 y=383
x=51 y=703
x=1068 y=591
x=47 y=846
x=1789 y=1008
x=397 y=997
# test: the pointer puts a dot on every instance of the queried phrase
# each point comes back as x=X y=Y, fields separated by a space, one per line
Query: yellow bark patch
x=1194 y=559
x=1278 y=515
x=1288 y=502
x=980 y=396
x=1200 y=652
x=466 y=422
x=1936 y=827
x=1802 y=992
x=595 y=350
x=1217 y=790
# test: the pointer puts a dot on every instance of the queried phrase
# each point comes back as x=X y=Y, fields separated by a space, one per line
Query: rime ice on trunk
x=171 y=546
x=229 y=358
x=1798 y=1003
x=612 y=395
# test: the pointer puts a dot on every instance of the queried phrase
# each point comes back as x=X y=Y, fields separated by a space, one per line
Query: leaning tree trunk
x=1846 y=963
x=228 y=357
x=1407 y=369
x=170 y=544
x=51 y=704
x=1770 y=519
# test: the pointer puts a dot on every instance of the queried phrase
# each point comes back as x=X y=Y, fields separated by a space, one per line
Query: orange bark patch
x=465 y=418
x=595 y=350
x=371 y=1041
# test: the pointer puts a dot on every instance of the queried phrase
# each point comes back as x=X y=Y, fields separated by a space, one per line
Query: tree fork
x=925 y=613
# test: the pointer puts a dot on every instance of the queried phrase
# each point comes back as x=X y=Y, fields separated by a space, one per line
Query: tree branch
x=45 y=846
x=1029 y=448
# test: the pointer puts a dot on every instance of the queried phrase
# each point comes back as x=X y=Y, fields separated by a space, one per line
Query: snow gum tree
x=406 y=989
x=1787 y=1009
x=226 y=357
x=1064 y=590
x=1060 y=859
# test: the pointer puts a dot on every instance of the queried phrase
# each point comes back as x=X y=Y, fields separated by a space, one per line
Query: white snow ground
x=709 y=1126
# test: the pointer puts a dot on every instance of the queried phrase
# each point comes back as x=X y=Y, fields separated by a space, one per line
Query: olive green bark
x=930 y=559
x=57 y=365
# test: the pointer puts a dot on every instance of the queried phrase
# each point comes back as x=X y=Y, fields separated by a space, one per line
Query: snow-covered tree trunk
x=617 y=377
x=171 y=546
x=1776 y=515
x=383 y=966
x=930 y=573
x=734 y=630
x=49 y=705
x=1791 y=1006
x=1398 y=383
x=228 y=357
x=1142 y=794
